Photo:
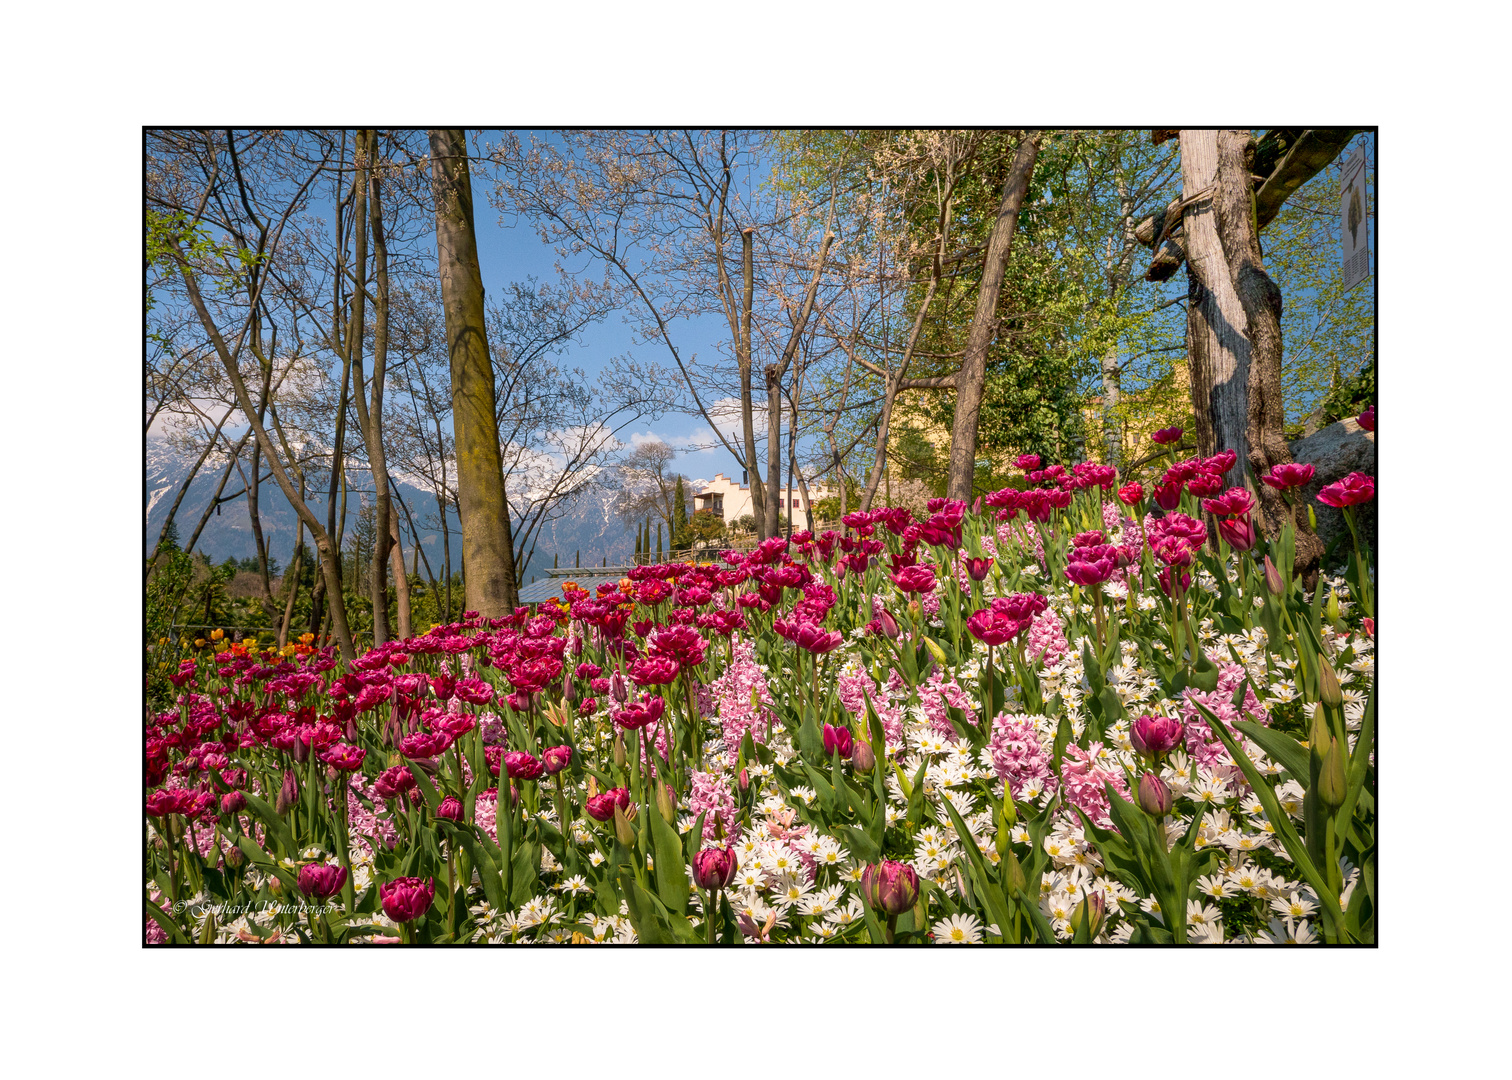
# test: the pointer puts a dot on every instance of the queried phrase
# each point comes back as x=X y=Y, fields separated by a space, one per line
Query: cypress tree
x=658 y=541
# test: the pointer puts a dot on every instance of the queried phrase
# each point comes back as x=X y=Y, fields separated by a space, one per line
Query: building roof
x=589 y=578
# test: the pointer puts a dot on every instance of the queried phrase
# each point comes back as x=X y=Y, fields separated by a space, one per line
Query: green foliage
x=1352 y=396
x=1328 y=334
x=703 y=527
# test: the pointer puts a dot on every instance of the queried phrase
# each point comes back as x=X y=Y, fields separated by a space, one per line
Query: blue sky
x=512 y=251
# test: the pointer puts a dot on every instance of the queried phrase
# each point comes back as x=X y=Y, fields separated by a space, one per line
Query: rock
x=1335 y=452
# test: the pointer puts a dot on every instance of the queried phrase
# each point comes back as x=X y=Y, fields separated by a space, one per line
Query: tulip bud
x=1332 y=785
x=1328 y=685
x=1333 y=607
x=619 y=752
x=889 y=625
x=622 y=830
x=1016 y=882
x=1154 y=795
x=744 y=782
x=617 y=688
x=892 y=887
x=233 y=802
x=914 y=611
x=1273 y=581
x=288 y=794
x=1094 y=909
x=1318 y=734
x=934 y=650
x=714 y=868
x=207 y=932
x=664 y=805
x=862 y=758
x=234 y=856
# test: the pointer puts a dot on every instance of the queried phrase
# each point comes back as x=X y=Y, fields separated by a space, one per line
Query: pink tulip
x=1354 y=489
x=1166 y=436
x=1289 y=475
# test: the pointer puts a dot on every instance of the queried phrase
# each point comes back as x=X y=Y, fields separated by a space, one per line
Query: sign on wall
x=1353 y=216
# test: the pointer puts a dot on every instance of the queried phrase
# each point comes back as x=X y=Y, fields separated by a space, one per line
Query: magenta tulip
x=1155 y=736
x=714 y=868
x=1289 y=475
x=406 y=899
x=837 y=738
x=890 y=887
x=320 y=881
x=1354 y=489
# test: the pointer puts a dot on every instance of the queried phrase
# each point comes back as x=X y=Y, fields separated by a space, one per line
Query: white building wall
x=733 y=500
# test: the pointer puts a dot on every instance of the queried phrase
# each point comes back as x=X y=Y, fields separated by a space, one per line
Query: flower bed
x=1064 y=715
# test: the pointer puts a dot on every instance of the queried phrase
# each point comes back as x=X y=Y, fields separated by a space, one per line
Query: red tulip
x=1168 y=496
x=450 y=809
x=1166 y=436
x=601 y=807
x=977 y=568
x=1367 y=419
x=1154 y=796
x=1239 y=532
x=1131 y=494
x=343 y=757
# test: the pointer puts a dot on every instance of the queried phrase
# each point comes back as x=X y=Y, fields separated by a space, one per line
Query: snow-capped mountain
x=586 y=523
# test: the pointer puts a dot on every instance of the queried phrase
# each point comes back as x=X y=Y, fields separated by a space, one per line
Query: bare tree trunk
x=487 y=553
x=401 y=579
x=1112 y=385
x=296 y=568
x=743 y=356
x=383 y=518
x=244 y=399
x=774 y=374
x=446 y=553
x=971 y=383
x=1217 y=348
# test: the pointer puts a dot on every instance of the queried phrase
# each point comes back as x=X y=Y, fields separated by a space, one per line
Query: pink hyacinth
x=1017 y=754
x=1082 y=780
x=712 y=797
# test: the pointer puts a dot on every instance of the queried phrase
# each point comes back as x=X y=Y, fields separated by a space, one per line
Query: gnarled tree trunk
x=1234 y=325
